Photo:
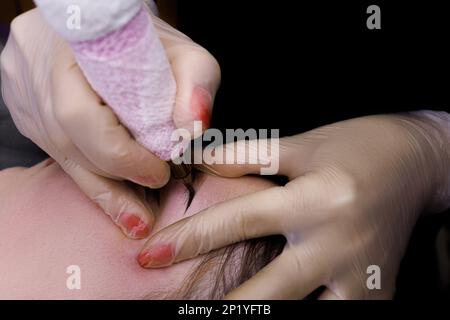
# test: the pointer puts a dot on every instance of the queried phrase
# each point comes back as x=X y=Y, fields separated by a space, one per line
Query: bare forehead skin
x=48 y=225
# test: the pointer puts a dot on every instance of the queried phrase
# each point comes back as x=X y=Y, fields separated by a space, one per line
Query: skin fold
x=47 y=225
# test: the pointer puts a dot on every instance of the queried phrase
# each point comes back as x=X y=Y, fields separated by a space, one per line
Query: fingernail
x=135 y=226
x=201 y=104
x=159 y=256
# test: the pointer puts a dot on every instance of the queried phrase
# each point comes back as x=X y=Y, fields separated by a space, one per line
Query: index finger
x=250 y=216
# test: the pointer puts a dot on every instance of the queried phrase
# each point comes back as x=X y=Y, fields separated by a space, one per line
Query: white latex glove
x=356 y=190
x=52 y=104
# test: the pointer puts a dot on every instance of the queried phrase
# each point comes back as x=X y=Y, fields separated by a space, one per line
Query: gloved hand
x=52 y=104
x=197 y=75
x=356 y=190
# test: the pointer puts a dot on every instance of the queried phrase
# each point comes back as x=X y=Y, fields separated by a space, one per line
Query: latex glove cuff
x=438 y=123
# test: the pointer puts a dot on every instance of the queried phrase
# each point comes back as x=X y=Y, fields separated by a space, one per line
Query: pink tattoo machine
x=119 y=51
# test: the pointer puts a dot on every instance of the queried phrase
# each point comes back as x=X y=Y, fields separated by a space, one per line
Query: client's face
x=47 y=225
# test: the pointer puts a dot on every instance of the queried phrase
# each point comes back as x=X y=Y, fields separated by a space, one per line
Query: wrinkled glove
x=356 y=190
x=52 y=104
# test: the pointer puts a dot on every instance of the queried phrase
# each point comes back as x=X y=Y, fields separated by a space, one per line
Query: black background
x=296 y=65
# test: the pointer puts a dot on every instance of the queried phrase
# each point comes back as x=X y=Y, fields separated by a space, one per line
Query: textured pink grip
x=129 y=69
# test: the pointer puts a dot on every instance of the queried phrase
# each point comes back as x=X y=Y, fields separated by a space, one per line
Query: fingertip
x=134 y=226
x=201 y=106
x=152 y=181
x=159 y=176
x=194 y=113
x=164 y=176
x=138 y=219
x=157 y=256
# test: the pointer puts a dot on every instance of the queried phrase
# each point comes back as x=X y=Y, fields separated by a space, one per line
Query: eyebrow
x=191 y=194
x=190 y=188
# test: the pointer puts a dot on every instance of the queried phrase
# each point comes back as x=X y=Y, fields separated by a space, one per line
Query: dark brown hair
x=225 y=269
